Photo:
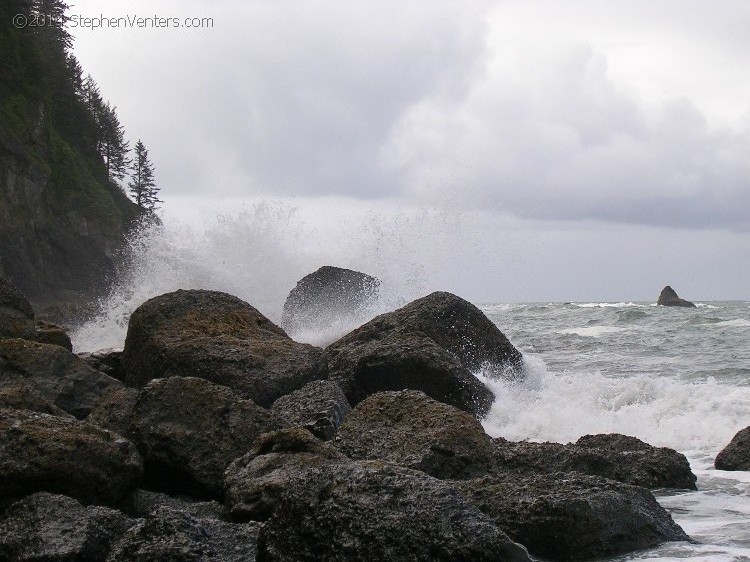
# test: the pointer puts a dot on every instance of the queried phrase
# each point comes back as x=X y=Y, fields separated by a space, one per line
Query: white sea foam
x=606 y=304
x=561 y=407
x=592 y=331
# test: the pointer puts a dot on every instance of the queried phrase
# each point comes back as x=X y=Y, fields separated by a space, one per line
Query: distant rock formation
x=668 y=297
x=329 y=296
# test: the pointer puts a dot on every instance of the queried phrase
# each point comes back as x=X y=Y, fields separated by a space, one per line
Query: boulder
x=114 y=411
x=106 y=361
x=668 y=297
x=433 y=344
x=16 y=314
x=176 y=536
x=736 y=455
x=144 y=503
x=47 y=453
x=220 y=338
x=255 y=482
x=319 y=407
x=25 y=397
x=47 y=332
x=51 y=527
x=188 y=430
x=572 y=516
x=410 y=429
x=329 y=297
x=367 y=510
x=614 y=456
x=58 y=375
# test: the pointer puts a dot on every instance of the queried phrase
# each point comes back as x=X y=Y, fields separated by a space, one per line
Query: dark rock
x=144 y=503
x=175 y=536
x=319 y=407
x=51 y=454
x=668 y=297
x=432 y=344
x=47 y=332
x=220 y=338
x=16 y=314
x=367 y=510
x=114 y=411
x=328 y=297
x=58 y=375
x=736 y=455
x=50 y=527
x=106 y=361
x=188 y=430
x=614 y=456
x=573 y=516
x=410 y=429
x=25 y=397
x=255 y=482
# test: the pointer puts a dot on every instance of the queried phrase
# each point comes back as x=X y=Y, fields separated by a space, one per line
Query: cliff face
x=60 y=227
x=62 y=217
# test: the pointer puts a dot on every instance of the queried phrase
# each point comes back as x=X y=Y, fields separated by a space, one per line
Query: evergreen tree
x=114 y=147
x=142 y=186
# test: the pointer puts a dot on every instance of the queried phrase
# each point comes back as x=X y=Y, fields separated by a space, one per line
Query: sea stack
x=668 y=297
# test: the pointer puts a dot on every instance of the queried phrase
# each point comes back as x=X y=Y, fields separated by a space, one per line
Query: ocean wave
x=591 y=331
x=736 y=323
x=605 y=304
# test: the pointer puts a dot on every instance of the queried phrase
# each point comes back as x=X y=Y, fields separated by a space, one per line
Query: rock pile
x=227 y=441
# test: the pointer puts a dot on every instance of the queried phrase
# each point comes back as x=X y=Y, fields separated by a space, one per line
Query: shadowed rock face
x=47 y=526
x=614 y=456
x=367 y=510
x=16 y=314
x=668 y=297
x=47 y=453
x=220 y=338
x=328 y=296
x=736 y=455
x=433 y=344
x=410 y=429
x=187 y=429
x=572 y=516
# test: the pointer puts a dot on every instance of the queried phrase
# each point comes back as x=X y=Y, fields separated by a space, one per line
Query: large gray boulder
x=570 y=516
x=51 y=454
x=176 y=536
x=369 y=510
x=614 y=456
x=58 y=375
x=329 y=297
x=51 y=527
x=668 y=297
x=23 y=396
x=187 y=430
x=319 y=406
x=410 y=429
x=433 y=344
x=736 y=455
x=220 y=338
x=256 y=481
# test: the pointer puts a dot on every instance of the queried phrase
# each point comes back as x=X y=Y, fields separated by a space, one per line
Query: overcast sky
x=607 y=141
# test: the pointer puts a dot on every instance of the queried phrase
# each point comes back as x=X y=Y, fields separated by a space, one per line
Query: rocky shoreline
x=215 y=436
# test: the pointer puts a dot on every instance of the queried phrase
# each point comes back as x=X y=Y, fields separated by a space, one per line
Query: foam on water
x=663 y=411
x=592 y=331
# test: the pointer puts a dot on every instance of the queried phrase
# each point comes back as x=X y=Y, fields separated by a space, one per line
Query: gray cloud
x=434 y=103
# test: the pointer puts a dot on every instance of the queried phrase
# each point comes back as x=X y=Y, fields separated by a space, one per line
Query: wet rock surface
x=410 y=429
x=220 y=338
x=319 y=406
x=736 y=455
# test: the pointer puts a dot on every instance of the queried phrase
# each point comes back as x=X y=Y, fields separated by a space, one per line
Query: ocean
x=672 y=377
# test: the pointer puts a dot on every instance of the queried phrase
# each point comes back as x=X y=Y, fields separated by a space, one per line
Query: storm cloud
x=541 y=110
